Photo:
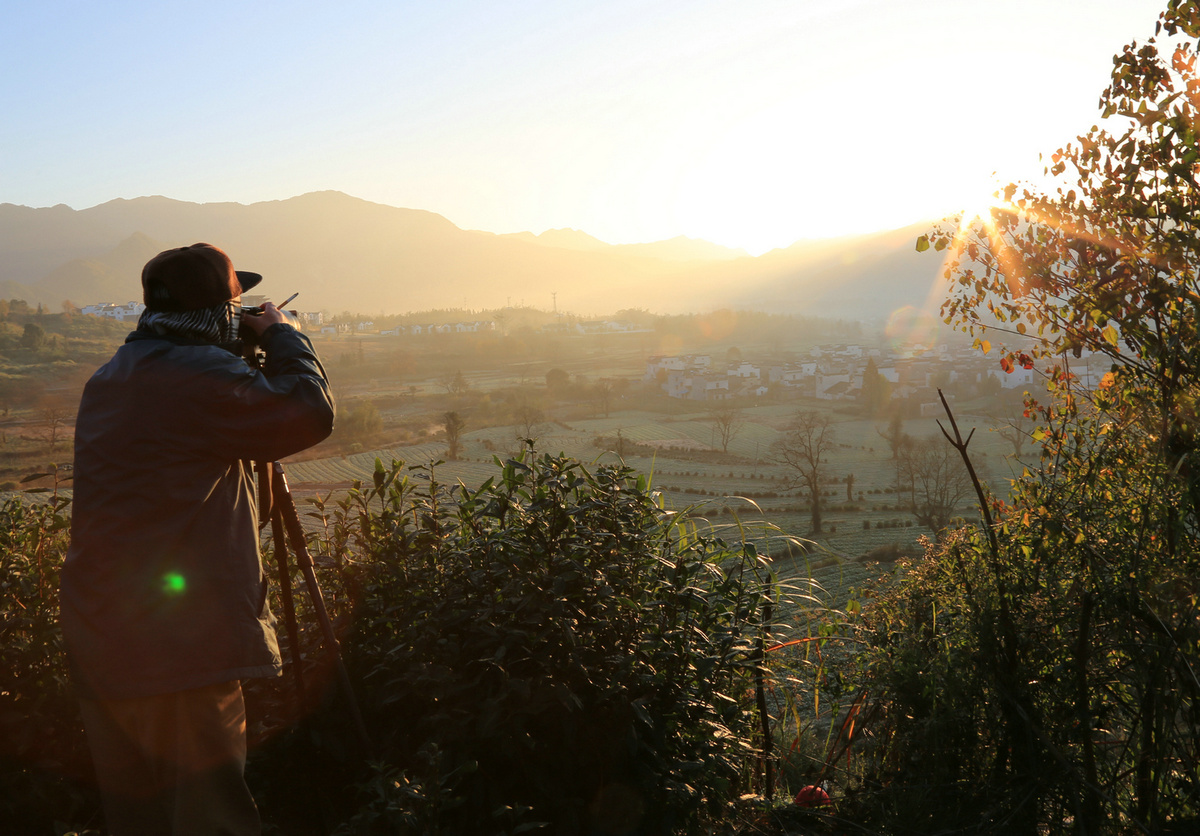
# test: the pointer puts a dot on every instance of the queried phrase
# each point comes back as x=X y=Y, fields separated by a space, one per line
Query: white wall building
x=122 y=313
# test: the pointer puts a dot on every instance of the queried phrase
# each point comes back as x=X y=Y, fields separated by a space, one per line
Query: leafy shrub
x=45 y=769
x=1049 y=673
x=550 y=648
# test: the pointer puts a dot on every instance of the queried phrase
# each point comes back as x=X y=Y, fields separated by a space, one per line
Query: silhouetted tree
x=454 y=424
x=727 y=423
x=894 y=435
x=930 y=473
x=33 y=337
x=454 y=382
x=803 y=449
x=557 y=381
x=875 y=389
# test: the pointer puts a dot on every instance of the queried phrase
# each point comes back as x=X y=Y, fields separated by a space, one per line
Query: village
x=907 y=376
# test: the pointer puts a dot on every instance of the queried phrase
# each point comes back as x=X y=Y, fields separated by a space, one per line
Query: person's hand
x=260 y=322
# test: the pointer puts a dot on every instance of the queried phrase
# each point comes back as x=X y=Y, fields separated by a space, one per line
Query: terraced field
x=680 y=455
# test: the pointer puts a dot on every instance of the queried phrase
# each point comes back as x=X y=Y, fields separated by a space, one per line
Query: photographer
x=164 y=601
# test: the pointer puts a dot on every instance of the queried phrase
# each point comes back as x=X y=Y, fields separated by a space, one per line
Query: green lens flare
x=174 y=583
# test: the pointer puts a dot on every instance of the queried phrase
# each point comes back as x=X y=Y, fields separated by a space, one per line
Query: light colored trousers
x=173 y=765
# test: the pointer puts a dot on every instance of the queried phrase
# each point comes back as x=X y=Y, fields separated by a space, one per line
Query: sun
x=977 y=211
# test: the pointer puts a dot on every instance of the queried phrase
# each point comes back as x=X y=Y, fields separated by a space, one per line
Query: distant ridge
x=567 y=239
x=680 y=248
x=346 y=254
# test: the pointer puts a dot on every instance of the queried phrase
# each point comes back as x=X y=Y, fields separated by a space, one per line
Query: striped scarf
x=217 y=324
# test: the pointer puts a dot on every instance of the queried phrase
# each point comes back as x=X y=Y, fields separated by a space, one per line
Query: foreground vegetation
x=553 y=649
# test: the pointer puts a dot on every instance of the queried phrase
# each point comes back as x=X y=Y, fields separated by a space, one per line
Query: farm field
x=681 y=456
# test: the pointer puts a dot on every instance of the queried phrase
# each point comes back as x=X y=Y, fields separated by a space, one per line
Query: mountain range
x=342 y=253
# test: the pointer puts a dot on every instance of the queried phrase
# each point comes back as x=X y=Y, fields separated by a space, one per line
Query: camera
x=248 y=335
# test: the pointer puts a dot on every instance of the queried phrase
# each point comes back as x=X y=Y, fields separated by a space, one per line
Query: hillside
x=342 y=253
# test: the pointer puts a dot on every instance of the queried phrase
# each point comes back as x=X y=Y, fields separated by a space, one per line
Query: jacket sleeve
x=283 y=408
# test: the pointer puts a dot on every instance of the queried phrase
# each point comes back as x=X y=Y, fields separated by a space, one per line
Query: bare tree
x=727 y=423
x=454 y=382
x=527 y=413
x=803 y=449
x=931 y=474
x=454 y=424
x=1015 y=426
x=54 y=417
x=604 y=391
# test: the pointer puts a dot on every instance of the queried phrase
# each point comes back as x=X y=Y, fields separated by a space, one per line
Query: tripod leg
x=289 y=605
x=287 y=510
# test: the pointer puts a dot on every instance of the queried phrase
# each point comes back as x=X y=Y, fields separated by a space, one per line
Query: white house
x=122 y=313
x=744 y=370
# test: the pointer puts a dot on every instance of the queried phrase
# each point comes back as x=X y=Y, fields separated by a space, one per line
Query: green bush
x=1047 y=675
x=550 y=648
x=45 y=770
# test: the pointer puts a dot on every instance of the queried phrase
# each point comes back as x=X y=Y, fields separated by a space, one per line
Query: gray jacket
x=162 y=587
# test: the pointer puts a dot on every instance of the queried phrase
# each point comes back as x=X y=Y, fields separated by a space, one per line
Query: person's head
x=190 y=278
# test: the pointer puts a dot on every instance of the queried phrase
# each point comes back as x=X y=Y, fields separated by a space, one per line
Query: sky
x=749 y=123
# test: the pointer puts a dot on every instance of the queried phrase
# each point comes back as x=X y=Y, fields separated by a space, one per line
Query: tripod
x=276 y=503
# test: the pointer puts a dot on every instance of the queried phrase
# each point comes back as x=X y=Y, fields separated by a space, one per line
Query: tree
x=454 y=382
x=604 y=391
x=930 y=473
x=894 y=435
x=527 y=412
x=1015 y=427
x=33 y=337
x=454 y=425
x=557 y=381
x=875 y=389
x=1105 y=262
x=803 y=448
x=54 y=417
x=1076 y=598
x=727 y=423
